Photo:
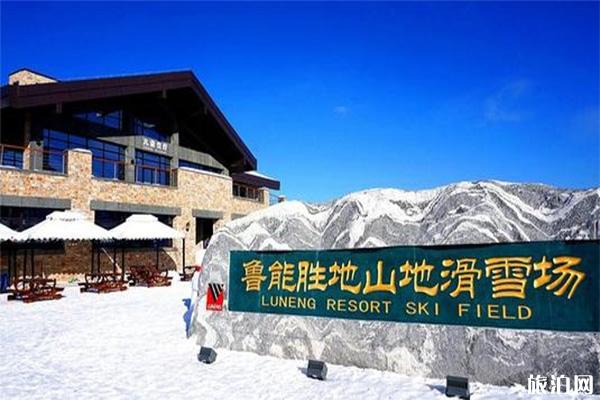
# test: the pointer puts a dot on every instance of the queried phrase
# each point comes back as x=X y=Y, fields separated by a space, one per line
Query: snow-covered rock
x=466 y=212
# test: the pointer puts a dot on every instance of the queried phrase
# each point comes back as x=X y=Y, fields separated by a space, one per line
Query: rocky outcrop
x=468 y=212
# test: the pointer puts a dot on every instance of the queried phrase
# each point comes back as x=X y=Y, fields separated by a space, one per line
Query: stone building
x=111 y=147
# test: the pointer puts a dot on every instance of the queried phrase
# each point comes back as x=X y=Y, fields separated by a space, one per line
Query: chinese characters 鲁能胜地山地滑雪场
x=509 y=276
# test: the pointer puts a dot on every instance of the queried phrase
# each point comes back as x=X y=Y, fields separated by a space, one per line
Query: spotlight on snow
x=457 y=386
x=316 y=370
x=207 y=355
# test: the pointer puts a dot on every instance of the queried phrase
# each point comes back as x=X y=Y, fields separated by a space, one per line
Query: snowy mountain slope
x=466 y=212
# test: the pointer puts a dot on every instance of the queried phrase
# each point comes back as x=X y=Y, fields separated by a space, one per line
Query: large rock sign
x=482 y=212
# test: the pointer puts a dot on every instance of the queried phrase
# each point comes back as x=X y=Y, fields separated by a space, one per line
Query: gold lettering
x=330 y=304
x=566 y=276
x=316 y=277
x=374 y=306
x=524 y=312
x=253 y=275
x=411 y=308
x=462 y=308
x=379 y=286
x=342 y=274
x=418 y=274
x=364 y=303
x=493 y=311
x=505 y=314
x=509 y=276
x=282 y=276
x=466 y=273
x=352 y=307
x=387 y=304
x=303 y=267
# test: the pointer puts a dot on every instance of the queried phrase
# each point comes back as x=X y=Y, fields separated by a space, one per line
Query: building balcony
x=36 y=159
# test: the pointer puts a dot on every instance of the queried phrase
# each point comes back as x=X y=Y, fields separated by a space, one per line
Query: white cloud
x=503 y=106
x=587 y=121
x=340 y=110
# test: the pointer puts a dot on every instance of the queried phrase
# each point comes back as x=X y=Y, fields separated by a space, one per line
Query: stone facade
x=27 y=77
x=194 y=190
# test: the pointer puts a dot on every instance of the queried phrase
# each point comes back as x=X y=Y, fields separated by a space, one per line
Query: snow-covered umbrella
x=67 y=226
x=146 y=227
x=7 y=234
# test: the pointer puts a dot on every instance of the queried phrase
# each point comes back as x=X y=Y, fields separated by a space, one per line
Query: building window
x=112 y=120
x=10 y=156
x=152 y=168
x=247 y=192
x=108 y=160
x=110 y=219
x=200 y=167
x=148 y=129
x=204 y=230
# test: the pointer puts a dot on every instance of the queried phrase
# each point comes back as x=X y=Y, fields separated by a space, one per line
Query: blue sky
x=339 y=97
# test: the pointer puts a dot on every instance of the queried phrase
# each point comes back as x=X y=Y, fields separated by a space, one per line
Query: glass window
x=108 y=160
x=11 y=156
x=201 y=167
x=148 y=129
x=152 y=168
x=112 y=119
x=247 y=192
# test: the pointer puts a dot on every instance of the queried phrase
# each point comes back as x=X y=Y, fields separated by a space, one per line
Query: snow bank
x=132 y=345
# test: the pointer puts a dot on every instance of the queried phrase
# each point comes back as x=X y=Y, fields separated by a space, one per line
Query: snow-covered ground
x=132 y=345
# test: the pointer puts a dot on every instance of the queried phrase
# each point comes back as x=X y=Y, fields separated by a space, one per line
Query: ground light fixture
x=457 y=386
x=207 y=355
x=316 y=370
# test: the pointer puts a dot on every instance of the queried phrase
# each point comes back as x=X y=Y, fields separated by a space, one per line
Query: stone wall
x=195 y=190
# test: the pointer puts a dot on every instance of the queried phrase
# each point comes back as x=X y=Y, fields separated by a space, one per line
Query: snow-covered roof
x=65 y=225
x=7 y=234
x=256 y=179
x=256 y=173
x=144 y=227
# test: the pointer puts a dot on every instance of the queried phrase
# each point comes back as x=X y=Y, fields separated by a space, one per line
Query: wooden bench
x=35 y=289
x=144 y=275
x=103 y=283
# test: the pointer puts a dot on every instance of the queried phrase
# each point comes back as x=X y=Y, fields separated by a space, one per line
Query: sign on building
x=155 y=145
x=536 y=285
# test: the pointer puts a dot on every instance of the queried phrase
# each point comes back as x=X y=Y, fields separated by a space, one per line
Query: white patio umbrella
x=7 y=234
x=145 y=227
x=64 y=225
